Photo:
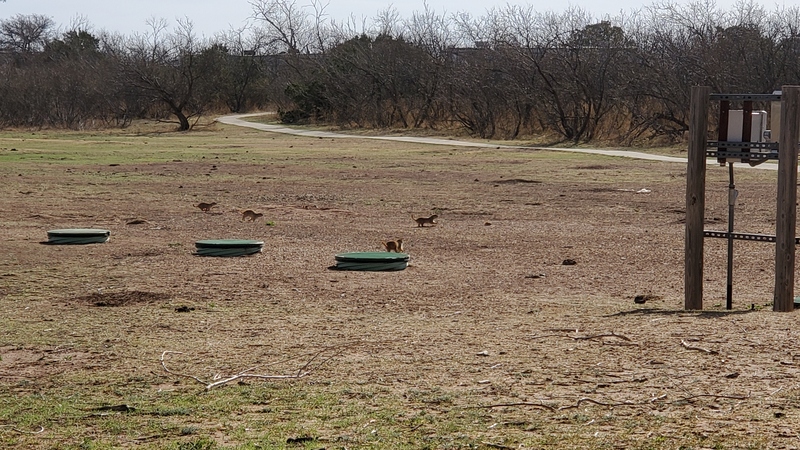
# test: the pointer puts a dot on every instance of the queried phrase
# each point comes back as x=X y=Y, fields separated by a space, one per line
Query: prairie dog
x=421 y=221
x=251 y=215
x=205 y=207
x=394 y=246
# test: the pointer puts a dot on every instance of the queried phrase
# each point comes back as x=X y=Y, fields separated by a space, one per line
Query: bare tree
x=243 y=65
x=286 y=24
x=26 y=34
x=171 y=69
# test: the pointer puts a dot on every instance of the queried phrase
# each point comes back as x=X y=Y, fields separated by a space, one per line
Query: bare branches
x=26 y=33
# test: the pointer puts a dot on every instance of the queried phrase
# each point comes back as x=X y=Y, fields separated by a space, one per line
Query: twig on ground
x=40 y=430
x=791 y=388
x=547 y=336
x=253 y=375
x=744 y=331
x=732 y=397
x=589 y=400
x=701 y=349
x=164 y=365
x=585 y=338
x=218 y=380
x=501 y=405
x=601 y=336
x=612 y=405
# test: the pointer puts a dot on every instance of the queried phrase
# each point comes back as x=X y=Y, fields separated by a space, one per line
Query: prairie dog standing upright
x=251 y=215
x=205 y=207
x=394 y=246
x=421 y=221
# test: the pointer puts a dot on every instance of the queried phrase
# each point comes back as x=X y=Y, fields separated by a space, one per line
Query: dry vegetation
x=487 y=340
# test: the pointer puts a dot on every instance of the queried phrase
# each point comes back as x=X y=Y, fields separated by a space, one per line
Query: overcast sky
x=211 y=16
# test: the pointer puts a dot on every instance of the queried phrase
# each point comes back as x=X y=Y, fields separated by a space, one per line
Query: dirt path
x=237 y=119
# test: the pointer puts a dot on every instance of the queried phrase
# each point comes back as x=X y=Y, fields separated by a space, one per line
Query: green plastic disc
x=228 y=243
x=228 y=247
x=75 y=236
x=79 y=232
x=372 y=257
x=371 y=261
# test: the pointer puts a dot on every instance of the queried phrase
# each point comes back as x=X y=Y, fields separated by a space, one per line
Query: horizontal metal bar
x=758 y=145
x=747 y=97
x=739 y=155
x=743 y=236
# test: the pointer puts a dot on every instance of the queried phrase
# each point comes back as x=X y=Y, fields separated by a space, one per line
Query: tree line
x=512 y=73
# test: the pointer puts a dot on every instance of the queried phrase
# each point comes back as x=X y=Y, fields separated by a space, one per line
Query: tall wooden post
x=787 y=199
x=696 y=197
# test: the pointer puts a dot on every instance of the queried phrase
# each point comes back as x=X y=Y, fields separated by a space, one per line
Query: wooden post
x=787 y=199
x=696 y=197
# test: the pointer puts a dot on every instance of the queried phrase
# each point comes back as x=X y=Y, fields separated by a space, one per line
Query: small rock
x=483 y=353
x=569 y=262
x=535 y=275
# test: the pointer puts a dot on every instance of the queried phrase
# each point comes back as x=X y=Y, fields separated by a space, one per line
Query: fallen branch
x=732 y=397
x=585 y=338
x=501 y=405
x=689 y=346
x=542 y=336
x=601 y=336
x=612 y=405
x=164 y=365
x=589 y=400
x=12 y=428
x=303 y=371
x=253 y=375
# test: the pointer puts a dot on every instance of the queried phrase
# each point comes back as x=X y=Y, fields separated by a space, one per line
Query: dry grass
x=487 y=340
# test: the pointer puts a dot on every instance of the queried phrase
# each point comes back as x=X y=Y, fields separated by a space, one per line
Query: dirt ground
x=517 y=307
